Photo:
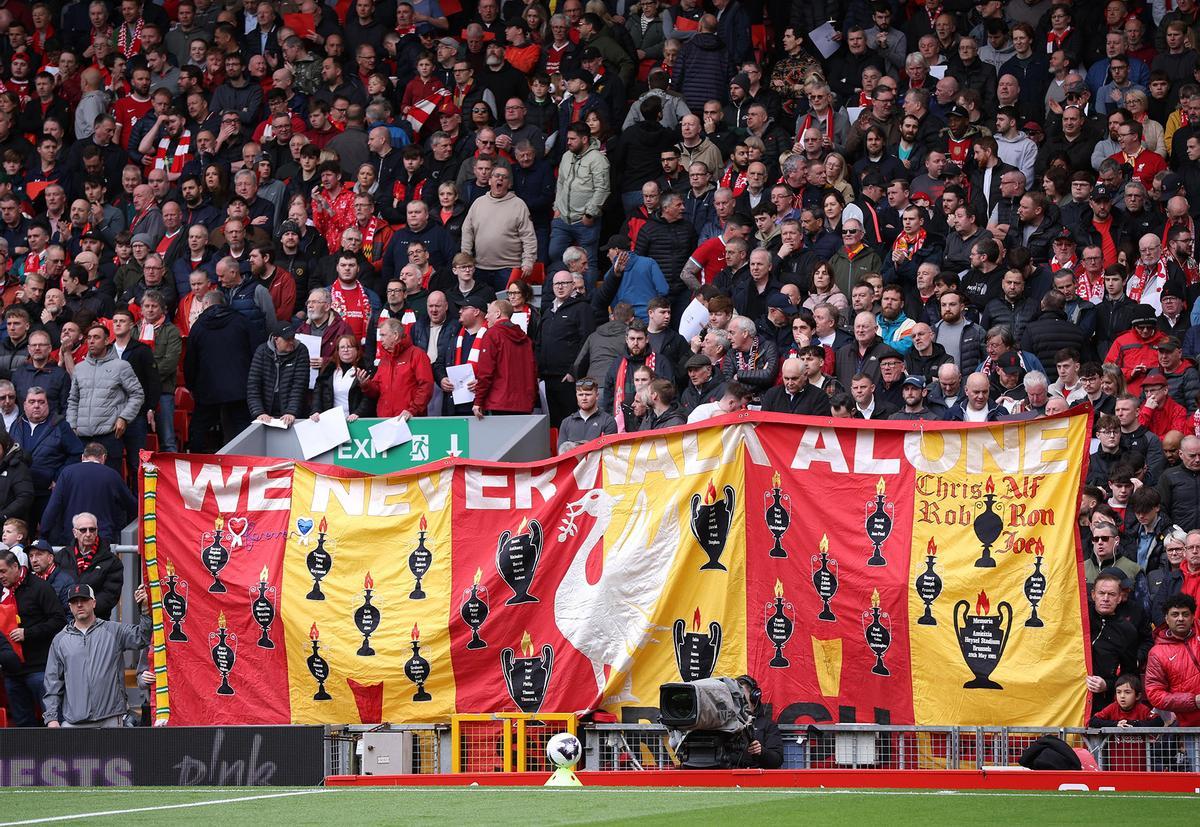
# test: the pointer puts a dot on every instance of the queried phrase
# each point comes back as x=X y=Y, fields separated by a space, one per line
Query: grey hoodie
x=87 y=668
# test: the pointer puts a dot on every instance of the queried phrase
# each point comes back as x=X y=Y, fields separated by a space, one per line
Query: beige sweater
x=499 y=233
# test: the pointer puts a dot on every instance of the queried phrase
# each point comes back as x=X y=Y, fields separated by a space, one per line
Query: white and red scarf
x=619 y=389
x=811 y=122
x=910 y=246
x=128 y=47
x=734 y=179
x=1143 y=276
x=1069 y=264
x=352 y=304
x=1054 y=40
x=1089 y=288
x=173 y=162
x=471 y=356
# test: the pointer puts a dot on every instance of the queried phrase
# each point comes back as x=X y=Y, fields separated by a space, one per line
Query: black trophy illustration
x=879 y=523
x=366 y=618
x=695 y=652
x=318 y=667
x=1035 y=590
x=319 y=562
x=778 y=514
x=982 y=638
x=988 y=526
x=878 y=633
x=824 y=578
x=474 y=610
x=781 y=622
x=215 y=557
x=527 y=677
x=416 y=668
x=224 y=653
x=419 y=562
x=710 y=524
x=517 y=558
x=175 y=604
x=262 y=609
x=928 y=585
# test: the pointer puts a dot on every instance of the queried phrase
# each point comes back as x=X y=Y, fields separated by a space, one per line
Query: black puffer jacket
x=1049 y=333
x=562 y=334
x=16 y=484
x=277 y=382
x=1013 y=315
x=1180 y=490
x=669 y=244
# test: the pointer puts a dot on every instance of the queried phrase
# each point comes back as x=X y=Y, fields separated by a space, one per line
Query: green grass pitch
x=469 y=807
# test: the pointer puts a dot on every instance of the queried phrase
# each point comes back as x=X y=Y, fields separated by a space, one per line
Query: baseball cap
x=449 y=107
x=957 y=111
x=1168 y=344
x=1100 y=193
x=1154 y=377
x=919 y=197
x=1065 y=234
x=590 y=53
x=1009 y=362
x=915 y=381
x=92 y=234
x=951 y=170
x=476 y=301
x=1173 y=289
x=1032 y=127
x=448 y=41
x=779 y=301
x=697 y=361
x=80 y=591
x=41 y=545
x=286 y=332
x=1171 y=184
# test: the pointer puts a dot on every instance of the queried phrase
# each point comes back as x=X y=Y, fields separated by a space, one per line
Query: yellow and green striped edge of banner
x=162 y=706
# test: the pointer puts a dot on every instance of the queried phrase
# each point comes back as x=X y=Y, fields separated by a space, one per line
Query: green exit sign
x=433 y=439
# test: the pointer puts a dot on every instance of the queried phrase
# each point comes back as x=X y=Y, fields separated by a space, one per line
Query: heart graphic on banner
x=305 y=524
x=237 y=527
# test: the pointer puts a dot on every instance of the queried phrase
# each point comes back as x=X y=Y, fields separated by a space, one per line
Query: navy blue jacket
x=53 y=378
x=217 y=363
x=91 y=487
x=51 y=447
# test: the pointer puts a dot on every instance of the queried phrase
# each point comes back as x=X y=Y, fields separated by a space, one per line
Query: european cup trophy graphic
x=175 y=604
x=880 y=516
x=528 y=677
x=475 y=610
x=1035 y=589
x=319 y=562
x=318 y=667
x=416 y=668
x=215 y=557
x=982 y=638
x=710 y=523
x=517 y=557
x=366 y=618
x=928 y=585
x=877 y=630
x=778 y=515
x=825 y=579
x=696 y=653
x=988 y=526
x=419 y=561
x=224 y=653
x=262 y=608
x=780 y=623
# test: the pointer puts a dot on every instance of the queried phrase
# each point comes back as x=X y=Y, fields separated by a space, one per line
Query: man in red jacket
x=403 y=383
x=1160 y=413
x=506 y=376
x=1173 y=667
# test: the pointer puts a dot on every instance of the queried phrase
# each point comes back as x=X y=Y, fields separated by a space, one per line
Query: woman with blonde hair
x=836 y=176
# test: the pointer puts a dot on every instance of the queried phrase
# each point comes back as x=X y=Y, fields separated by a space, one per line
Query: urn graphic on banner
x=517 y=558
x=982 y=637
x=710 y=524
x=695 y=652
x=528 y=677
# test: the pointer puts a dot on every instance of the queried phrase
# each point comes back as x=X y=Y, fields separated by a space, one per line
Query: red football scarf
x=173 y=161
x=619 y=390
x=1142 y=277
x=461 y=356
x=910 y=246
x=1055 y=39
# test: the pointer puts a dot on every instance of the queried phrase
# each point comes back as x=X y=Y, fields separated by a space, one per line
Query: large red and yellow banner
x=902 y=573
